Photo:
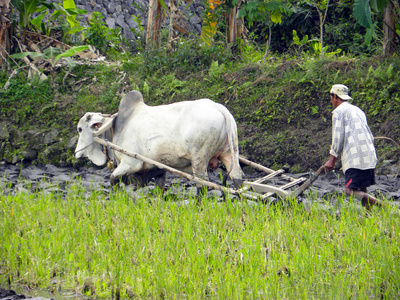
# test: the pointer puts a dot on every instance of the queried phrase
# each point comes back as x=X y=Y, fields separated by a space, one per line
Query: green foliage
x=315 y=46
x=263 y=17
x=23 y=100
x=99 y=35
x=166 y=88
x=299 y=43
x=379 y=90
x=350 y=37
x=250 y=52
x=139 y=33
x=188 y=57
x=266 y=11
x=216 y=71
x=71 y=13
x=96 y=34
x=362 y=13
x=341 y=31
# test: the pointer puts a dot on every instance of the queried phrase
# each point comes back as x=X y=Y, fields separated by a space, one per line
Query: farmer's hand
x=330 y=164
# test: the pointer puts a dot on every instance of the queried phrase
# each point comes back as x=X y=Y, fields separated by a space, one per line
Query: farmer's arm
x=330 y=164
x=338 y=134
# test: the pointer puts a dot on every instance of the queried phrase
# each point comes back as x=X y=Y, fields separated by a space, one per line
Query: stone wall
x=118 y=13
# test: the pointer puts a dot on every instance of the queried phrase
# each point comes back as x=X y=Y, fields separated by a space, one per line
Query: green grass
x=115 y=246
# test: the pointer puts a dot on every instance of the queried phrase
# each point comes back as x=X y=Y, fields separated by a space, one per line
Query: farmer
x=353 y=141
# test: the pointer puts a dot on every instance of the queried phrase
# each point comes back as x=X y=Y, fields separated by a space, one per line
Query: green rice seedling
x=112 y=245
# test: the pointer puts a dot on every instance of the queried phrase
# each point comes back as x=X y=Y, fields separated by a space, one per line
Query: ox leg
x=138 y=180
x=122 y=170
x=157 y=174
x=236 y=173
x=134 y=179
x=200 y=170
x=159 y=179
x=142 y=179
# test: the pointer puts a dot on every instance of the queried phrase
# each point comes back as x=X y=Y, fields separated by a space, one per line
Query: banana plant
x=27 y=8
x=70 y=7
x=68 y=10
x=210 y=22
x=364 y=9
x=53 y=54
x=157 y=11
x=362 y=14
x=234 y=19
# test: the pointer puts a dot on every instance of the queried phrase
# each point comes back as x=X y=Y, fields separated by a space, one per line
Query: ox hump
x=130 y=102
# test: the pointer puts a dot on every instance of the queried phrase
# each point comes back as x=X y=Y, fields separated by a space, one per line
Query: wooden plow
x=259 y=189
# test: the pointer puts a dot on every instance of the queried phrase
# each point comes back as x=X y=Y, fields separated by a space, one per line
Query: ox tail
x=232 y=136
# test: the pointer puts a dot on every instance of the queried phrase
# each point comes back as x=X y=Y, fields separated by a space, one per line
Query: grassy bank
x=281 y=106
x=115 y=246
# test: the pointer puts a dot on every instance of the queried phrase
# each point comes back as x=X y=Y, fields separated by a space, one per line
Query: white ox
x=188 y=136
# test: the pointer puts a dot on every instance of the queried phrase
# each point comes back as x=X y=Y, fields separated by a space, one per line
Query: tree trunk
x=172 y=16
x=232 y=30
x=268 y=44
x=5 y=43
x=389 y=46
x=5 y=32
x=157 y=26
x=155 y=17
x=321 y=37
x=235 y=25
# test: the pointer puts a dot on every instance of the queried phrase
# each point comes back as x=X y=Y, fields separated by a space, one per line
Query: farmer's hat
x=341 y=91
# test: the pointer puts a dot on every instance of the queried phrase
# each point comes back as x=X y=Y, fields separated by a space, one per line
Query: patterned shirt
x=352 y=138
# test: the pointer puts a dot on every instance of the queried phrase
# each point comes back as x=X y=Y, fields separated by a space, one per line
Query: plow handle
x=305 y=185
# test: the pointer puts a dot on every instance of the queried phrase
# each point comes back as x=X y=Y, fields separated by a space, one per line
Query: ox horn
x=107 y=125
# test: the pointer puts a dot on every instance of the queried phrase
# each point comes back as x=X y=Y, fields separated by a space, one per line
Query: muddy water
x=17 y=292
x=49 y=178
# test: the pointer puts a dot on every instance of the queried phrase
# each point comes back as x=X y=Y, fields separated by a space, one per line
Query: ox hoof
x=114 y=180
x=238 y=183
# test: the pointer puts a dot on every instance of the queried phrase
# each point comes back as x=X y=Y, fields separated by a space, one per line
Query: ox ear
x=97 y=156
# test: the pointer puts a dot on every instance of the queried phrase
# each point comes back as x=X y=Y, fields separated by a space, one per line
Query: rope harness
x=76 y=151
x=111 y=162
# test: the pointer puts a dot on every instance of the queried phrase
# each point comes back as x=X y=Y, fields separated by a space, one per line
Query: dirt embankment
x=283 y=112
